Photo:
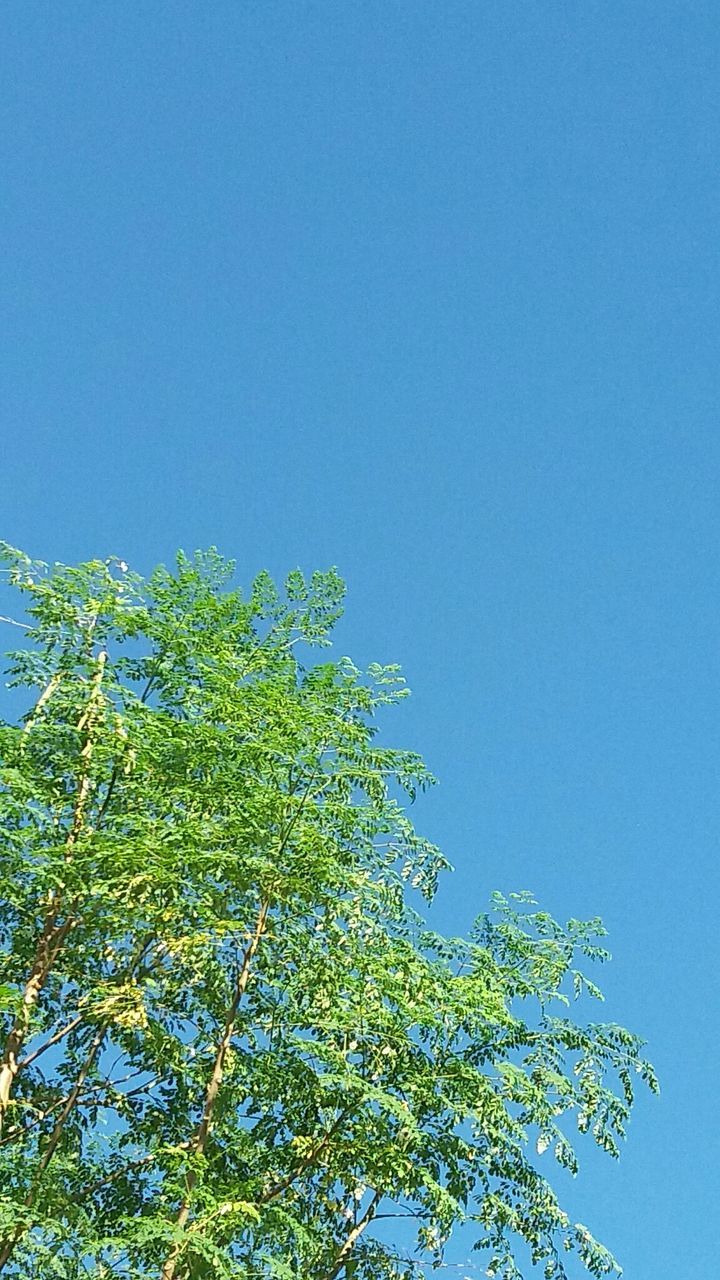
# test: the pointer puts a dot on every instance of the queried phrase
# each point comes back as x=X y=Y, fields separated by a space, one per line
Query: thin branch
x=54 y=1039
x=92 y=1187
x=277 y=1189
x=343 y=1255
x=8 y=1247
x=72 y=1098
x=84 y=1098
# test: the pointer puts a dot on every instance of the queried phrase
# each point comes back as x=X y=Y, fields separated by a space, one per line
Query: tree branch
x=8 y=1247
x=199 y=1143
x=53 y=933
x=92 y=1187
x=343 y=1255
x=54 y=1039
x=277 y=1189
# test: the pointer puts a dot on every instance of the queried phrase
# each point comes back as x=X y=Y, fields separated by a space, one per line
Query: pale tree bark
x=54 y=931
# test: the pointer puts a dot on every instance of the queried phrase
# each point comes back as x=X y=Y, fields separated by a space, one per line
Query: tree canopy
x=231 y=1046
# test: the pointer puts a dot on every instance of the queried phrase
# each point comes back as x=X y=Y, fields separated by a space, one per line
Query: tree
x=230 y=1045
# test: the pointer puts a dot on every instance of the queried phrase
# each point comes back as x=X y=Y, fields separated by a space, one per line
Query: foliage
x=231 y=1046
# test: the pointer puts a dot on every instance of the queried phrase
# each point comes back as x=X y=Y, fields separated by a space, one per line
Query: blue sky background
x=428 y=291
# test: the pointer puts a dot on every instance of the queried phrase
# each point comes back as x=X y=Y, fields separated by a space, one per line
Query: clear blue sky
x=428 y=291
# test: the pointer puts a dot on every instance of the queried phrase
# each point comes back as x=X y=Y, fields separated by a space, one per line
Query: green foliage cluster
x=230 y=1045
